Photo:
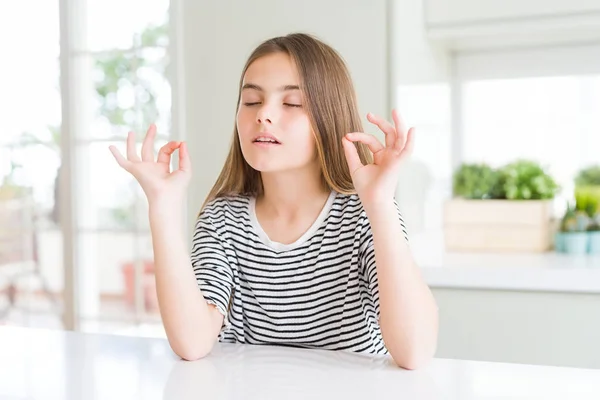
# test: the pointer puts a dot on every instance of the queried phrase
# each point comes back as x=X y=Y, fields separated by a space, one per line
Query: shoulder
x=224 y=209
x=348 y=207
x=351 y=205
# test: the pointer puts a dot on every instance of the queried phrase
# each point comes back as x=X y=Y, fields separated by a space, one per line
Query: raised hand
x=377 y=182
x=155 y=175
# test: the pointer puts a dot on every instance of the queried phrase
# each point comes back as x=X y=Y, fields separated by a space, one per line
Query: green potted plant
x=592 y=209
x=589 y=176
x=594 y=235
x=474 y=181
x=504 y=209
x=587 y=186
x=580 y=226
x=572 y=237
x=525 y=180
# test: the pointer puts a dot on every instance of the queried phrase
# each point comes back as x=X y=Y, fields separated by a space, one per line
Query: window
x=553 y=120
x=498 y=106
x=541 y=104
x=118 y=80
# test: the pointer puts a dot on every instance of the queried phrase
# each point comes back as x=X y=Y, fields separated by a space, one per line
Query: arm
x=191 y=324
x=408 y=311
x=408 y=314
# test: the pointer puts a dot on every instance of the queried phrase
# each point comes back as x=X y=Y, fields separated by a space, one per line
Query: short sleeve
x=367 y=255
x=213 y=270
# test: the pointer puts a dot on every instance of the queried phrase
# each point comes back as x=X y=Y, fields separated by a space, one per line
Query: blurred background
x=114 y=59
x=500 y=198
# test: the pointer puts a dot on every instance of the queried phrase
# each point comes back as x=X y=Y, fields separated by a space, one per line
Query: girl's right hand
x=155 y=176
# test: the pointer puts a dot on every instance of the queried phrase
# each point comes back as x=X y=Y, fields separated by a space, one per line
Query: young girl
x=300 y=241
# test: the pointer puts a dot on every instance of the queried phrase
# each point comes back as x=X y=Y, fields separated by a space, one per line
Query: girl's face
x=272 y=122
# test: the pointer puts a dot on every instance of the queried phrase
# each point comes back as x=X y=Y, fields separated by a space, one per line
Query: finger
x=400 y=130
x=185 y=163
x=370 y=140
x=119 y=157
x=148 y=144
x=410 y=142
x=131 y=153
x=352 y=157
x=386 y=127
x=164 y=154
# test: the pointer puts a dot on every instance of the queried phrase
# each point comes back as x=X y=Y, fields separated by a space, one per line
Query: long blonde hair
x=330 y=101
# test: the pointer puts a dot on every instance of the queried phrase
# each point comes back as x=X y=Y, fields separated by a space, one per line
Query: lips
x=266 y=138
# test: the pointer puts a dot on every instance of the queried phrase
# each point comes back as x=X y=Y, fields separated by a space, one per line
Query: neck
x=287 y=193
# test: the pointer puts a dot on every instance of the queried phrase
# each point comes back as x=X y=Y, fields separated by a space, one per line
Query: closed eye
x=249 y=104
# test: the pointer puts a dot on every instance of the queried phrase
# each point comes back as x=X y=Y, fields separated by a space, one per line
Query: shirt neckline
x=302 y=239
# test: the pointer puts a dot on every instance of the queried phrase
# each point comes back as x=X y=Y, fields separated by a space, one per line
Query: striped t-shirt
x=318 y=292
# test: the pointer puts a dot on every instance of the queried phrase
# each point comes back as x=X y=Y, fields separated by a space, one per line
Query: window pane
x=36 y=167
x=30 y=96
x=31 y=269
x=110 y=94
x=154 y=89
x=31 y=275
x=122 y=92
x=130 y=23
x=108 y=279
x=553 y=120
x=30 y=248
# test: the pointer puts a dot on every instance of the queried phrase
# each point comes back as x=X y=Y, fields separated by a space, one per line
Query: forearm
x=408 y=311
x=190 y=323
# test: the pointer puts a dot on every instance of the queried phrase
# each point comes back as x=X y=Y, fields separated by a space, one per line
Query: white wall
x=220 y=35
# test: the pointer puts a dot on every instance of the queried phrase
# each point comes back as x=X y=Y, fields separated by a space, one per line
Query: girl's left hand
x=376 y=183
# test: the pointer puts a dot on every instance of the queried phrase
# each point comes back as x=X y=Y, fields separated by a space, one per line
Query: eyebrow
x=260 y=89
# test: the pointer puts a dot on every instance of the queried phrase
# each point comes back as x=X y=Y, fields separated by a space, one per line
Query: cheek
x=300 y=131
x=244 y=121
x=304 y=146
x=308 y=139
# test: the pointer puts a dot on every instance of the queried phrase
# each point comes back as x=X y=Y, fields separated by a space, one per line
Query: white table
x=44 y=364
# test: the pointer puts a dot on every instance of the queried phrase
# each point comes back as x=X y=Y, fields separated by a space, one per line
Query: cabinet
x=463 y=12
x=487 y=23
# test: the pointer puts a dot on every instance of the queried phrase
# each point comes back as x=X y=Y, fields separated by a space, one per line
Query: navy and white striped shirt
x=318 y=292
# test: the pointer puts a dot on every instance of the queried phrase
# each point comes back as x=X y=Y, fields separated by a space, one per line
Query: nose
x=264 y=115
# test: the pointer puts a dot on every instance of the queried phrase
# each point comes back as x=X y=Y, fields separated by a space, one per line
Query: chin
x=269 y=166
x=262 y=165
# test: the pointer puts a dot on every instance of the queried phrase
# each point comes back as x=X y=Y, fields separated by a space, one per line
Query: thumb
x=352 y=157
x=184 y=158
